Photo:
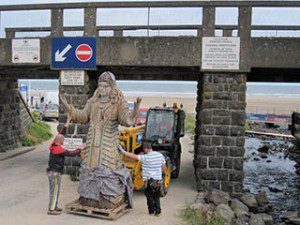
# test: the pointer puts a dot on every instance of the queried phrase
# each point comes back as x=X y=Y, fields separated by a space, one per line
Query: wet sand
x=262 y=104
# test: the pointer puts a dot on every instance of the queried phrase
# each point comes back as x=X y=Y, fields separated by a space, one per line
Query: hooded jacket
x=57 y=157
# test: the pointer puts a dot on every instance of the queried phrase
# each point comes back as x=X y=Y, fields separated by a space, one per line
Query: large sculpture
x=103 y=178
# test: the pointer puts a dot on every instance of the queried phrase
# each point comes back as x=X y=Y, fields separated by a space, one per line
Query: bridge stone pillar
x=77 y=96
x=10 y=122
x=219 y=136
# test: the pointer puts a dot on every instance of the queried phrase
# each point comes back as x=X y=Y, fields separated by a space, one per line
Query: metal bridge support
x=10 y=122
x=219 y=136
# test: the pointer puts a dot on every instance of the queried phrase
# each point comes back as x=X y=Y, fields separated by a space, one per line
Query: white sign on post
x=72 y=77
x=25 y=50
x=220 y=53
x=72 y=144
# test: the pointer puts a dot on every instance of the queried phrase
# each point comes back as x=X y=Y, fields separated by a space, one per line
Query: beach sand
x=273 y=105
x=262 y=104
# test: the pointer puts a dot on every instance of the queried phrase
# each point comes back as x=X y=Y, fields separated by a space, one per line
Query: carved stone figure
x=106 y=110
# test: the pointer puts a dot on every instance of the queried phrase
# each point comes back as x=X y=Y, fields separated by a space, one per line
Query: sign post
x=221 y=53
x=26 y=51
x=72 y=77
x=73 y=53
x=72 y=143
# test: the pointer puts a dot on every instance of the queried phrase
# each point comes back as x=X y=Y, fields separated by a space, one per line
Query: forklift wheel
x=175 y=173
x=166 y=178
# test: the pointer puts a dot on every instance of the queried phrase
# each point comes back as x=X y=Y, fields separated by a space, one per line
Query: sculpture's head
x=107 y=89
x=106 y=83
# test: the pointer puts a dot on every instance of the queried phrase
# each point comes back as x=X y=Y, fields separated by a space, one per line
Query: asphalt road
x=24 y=193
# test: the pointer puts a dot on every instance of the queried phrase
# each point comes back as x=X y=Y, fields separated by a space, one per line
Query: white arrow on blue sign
x=73 y=53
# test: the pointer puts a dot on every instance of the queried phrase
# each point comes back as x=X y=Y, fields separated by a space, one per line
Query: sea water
x=176 y=88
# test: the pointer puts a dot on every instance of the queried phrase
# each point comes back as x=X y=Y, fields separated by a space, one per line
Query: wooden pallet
x=110 y=214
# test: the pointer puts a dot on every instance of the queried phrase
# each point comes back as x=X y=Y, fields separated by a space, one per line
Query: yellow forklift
x=164 y=127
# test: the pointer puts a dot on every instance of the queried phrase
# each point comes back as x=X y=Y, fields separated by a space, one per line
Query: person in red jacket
x=54 y=170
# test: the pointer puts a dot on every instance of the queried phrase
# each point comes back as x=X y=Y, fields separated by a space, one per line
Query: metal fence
x=166 y=18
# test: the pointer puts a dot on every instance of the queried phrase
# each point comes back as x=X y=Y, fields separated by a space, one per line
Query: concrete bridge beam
x=219 y=134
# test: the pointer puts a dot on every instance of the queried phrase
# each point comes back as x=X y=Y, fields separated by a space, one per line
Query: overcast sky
x=139 y=16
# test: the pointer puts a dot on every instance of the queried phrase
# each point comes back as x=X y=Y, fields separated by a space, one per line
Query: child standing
x=54 y=170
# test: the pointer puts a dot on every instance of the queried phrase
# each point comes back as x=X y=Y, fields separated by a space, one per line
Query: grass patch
x=36 y=115
x=190 y=123
x=246 y=126
x=36 y=133
x=194 y=217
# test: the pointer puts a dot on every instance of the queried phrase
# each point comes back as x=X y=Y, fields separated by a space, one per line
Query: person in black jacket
x=54 y=170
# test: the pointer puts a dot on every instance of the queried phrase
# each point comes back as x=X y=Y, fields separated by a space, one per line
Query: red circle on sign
x=84 y=52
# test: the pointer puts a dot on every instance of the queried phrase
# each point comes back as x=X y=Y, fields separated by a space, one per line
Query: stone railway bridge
x=219 y=139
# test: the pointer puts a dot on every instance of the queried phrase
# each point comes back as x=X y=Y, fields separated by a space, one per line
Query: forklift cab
x=164 y=127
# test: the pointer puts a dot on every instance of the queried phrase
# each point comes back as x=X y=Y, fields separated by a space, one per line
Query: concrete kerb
x=16 y=152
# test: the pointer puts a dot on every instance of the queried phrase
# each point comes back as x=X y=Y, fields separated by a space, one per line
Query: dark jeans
x=152 y=192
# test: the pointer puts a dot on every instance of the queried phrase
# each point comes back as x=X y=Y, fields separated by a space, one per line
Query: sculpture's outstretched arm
x=76 y=115
x=124 y=116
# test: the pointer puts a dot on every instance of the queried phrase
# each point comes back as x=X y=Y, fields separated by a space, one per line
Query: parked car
x=142 y=117
x=49 y=111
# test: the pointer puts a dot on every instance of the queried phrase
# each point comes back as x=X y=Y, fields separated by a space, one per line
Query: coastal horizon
x=281 y=98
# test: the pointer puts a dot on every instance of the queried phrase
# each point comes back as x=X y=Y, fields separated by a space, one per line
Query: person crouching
x=54 y=170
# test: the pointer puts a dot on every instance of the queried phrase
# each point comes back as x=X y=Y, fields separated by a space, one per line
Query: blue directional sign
x=73 y=53
x=23 y=88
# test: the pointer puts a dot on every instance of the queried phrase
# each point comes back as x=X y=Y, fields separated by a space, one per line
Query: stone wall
x=219 y=134
x=9 y=114
x=24 y=117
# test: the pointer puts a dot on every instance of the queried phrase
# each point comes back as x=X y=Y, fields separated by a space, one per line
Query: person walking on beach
x=153 y=165
x=55 y=168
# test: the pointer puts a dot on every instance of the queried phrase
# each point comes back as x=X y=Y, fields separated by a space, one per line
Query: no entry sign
x=73 y=53
x=84 y=52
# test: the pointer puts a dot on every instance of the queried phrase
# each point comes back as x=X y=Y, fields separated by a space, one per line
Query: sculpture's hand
x=65 y=103
x=138 y=101
x=68 y=108
x=137 y=104
x=82 y=153
x=83 y=150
